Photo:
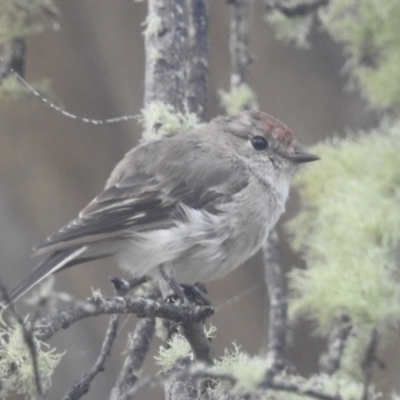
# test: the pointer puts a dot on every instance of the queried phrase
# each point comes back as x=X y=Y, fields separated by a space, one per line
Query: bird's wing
x=148 y=190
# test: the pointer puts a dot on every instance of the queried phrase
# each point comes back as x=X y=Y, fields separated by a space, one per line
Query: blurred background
x=52 y=166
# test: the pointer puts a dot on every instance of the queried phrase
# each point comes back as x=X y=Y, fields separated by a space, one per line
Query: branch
x=138 y=347
x=293 y=388
x=298 y=10
x=277 y=323
x=193 y=372
x=368 y=362
x=141 y=307
x=82 y=387
x=239 y=42
x=198 y=74
x=196 y=336
x=13 y=58
x=181 y=386
x=336 y=344
x=166 y=39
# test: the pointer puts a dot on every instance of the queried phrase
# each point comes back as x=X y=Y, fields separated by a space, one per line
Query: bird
x=199 y=203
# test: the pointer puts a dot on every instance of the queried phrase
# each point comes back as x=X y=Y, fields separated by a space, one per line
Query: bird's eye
x=259 y=142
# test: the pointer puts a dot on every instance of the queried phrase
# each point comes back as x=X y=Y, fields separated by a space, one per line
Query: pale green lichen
x=369 y=31
x=153 y=25
x=16 y=367
x=96 y=293
x=12 y=88
x=178 y=348
x=159 y=120
x=291 y=29
x=349 y=232
x=239 y=98
x=248 y=371
x=20 y=18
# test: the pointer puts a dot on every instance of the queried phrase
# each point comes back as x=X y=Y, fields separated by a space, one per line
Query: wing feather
x=146 y=191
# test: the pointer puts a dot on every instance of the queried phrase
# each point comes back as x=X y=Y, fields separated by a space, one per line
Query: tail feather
x=55 y=262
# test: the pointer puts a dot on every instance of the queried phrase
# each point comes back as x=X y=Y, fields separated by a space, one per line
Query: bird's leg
x=195 y=293
x=167 y=277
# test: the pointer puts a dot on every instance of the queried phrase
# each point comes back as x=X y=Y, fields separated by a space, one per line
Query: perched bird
x=200 y=203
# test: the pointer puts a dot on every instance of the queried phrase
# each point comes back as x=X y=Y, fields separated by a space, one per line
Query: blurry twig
x=198 y=68
x=336 y=343
x=297 y=10
x=277 y=321
x=239 y=42
x=13 y=58
x=82 y=387
x=138 y=346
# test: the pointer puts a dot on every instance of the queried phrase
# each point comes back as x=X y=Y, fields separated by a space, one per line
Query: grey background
x=51 y=166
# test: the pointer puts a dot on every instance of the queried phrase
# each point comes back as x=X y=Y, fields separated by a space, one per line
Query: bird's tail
x=53 y=263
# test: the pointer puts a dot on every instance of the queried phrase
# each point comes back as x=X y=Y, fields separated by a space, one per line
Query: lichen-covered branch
x=240 y=97
x=166 y=42
x=141 y=307
x=198 y=57
x=277 y=321
x=239 y=42
x=296 y=10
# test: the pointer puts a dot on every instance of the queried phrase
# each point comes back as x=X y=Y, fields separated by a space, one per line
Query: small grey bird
x=200 y=203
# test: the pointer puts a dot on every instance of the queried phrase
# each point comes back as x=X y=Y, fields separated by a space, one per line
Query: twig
x=277 y=321
x=81 y=387
x=141 y=307
x=196 y=336
x=198 y=66
x=293 y=388
x=368 y=362
x=336 y=344
x=166 y=43
x=298 y=10
x=138 y=346
x=13 y=58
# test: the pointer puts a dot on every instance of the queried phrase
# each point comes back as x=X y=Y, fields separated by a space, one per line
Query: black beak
x=299 y=157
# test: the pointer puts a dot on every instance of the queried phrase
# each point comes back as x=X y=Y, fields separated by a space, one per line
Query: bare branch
x=336 y=343
x=369 y=361
x=196 y=336
x=82 y=387
x=138 y=346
